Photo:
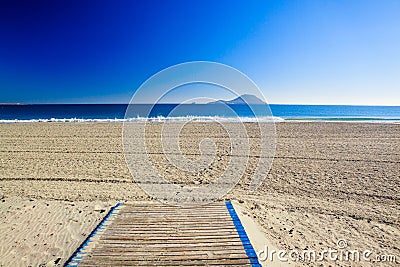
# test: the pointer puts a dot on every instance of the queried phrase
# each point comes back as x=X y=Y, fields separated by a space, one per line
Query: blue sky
x=307 y=52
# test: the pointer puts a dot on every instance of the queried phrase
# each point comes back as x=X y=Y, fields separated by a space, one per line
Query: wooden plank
x=157 y=213
x=171 y=264
x=171 y=233
x=110 y=261
x=161 y=230
x=190 y=218
x=159 y=244
x=167 y=257
x=175 y=211
x=190 y=239
x=169 y=250
x=171 y=230
x=195 y=248
x=174 y=220
x=171 y=225
x=156 y=243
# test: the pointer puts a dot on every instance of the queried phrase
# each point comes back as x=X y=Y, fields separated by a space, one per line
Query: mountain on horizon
x=245 y=99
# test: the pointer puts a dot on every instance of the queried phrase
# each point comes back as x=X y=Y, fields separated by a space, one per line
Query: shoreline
x=205 y=120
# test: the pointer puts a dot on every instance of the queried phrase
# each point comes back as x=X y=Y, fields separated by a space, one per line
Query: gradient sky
x=307 y=52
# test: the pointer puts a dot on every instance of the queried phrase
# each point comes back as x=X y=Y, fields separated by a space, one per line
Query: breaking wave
x=157 y=119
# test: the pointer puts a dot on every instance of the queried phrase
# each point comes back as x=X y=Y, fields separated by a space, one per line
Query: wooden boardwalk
x=158 y=235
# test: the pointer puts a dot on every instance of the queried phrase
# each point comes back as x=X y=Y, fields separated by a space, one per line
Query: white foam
x=157 y=119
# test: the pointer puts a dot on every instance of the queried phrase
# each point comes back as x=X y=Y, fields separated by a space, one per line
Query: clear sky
x=307 y=52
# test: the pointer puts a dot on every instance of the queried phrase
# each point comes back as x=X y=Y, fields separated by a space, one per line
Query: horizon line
x=292 y=104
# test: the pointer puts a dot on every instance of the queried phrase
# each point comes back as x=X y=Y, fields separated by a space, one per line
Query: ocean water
x=174 y=112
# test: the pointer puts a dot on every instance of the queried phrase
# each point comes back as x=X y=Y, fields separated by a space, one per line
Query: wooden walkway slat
x=172 y=251
x=157 y=235
x=209 y=262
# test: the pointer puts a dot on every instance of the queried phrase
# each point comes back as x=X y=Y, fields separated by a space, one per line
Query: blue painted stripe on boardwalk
x=243 y=236
x=77 y=256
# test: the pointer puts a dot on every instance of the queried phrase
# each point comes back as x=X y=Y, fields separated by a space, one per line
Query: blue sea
x=116 y=112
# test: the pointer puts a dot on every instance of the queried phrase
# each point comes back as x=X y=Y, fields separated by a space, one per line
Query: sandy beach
x=328 y=182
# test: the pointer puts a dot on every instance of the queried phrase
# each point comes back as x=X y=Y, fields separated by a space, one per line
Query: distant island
x=245 y=99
